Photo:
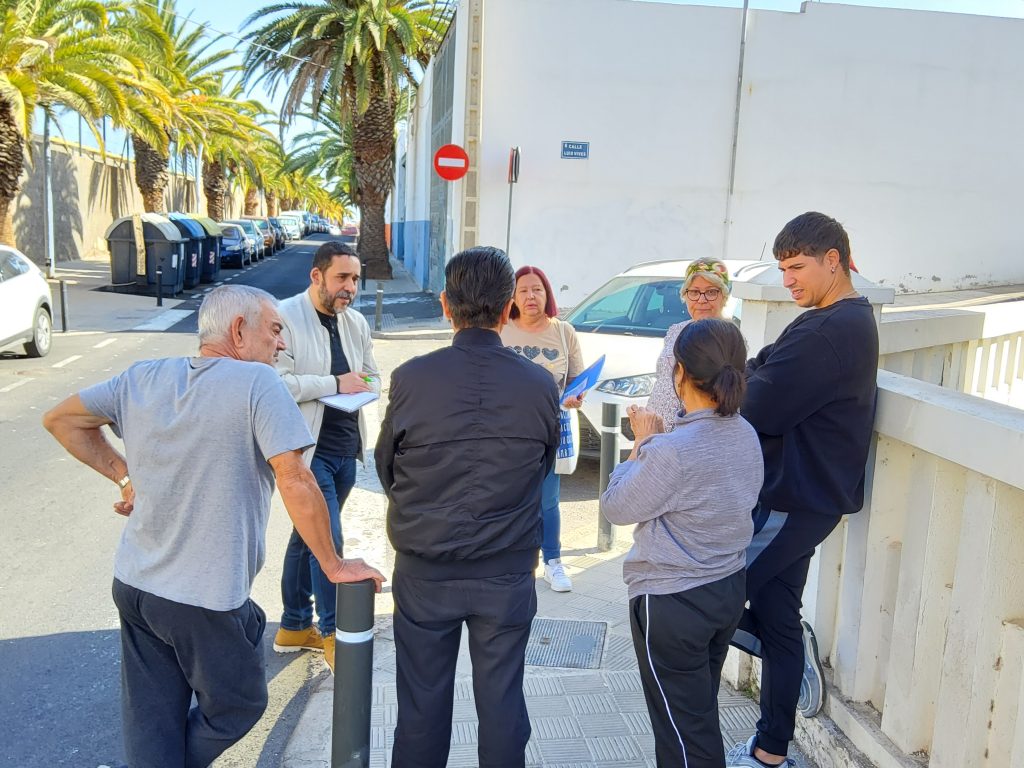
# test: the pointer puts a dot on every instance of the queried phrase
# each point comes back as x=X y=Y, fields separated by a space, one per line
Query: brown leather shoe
x=329 y=651
x=294 y=640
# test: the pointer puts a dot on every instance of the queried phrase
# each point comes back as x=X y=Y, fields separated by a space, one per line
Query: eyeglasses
x=711 y=294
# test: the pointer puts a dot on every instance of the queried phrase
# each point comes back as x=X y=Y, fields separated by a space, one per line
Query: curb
x=414 y=334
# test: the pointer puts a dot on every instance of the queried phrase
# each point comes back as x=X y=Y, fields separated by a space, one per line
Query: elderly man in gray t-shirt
x=193 y=543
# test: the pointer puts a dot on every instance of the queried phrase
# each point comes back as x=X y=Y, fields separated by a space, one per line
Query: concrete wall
x=903 y=125
x=89 y=192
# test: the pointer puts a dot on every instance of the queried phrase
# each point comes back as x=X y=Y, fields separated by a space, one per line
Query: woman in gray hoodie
x=690 y=493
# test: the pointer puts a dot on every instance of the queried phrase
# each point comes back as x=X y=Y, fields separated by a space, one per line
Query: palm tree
x=62 y=53
x=226 y=146
x=193 y=76
x=354 y=55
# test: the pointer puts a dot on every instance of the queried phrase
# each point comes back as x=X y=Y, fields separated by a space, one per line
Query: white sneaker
x=555 y=575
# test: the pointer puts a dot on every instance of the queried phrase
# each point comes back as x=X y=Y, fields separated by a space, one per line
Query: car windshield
x=262 y=224
x=231 y=232
x=632 y=306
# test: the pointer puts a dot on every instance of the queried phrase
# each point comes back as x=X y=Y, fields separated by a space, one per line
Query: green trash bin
x=164 y=247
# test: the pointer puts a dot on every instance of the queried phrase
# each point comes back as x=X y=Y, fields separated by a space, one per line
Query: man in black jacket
x=811 y=398
x=469 y=435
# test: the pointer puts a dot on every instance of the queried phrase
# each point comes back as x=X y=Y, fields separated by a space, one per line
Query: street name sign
x=575 y=150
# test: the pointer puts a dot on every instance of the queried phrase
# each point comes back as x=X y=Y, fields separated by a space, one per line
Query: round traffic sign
x=451 y=162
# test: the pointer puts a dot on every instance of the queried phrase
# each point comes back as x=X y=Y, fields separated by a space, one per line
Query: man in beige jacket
x=328 y=351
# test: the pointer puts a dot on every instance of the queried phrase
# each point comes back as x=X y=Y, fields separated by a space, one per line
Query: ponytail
x=727 y=388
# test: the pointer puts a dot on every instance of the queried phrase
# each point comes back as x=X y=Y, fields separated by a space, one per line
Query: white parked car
x=626 y=320
x=26 y=310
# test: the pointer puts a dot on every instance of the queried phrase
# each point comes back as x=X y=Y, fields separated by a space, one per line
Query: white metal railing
x=976 y=350
x=920 y=596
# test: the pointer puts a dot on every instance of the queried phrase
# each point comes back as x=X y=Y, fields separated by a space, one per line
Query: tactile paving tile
x=566 y=643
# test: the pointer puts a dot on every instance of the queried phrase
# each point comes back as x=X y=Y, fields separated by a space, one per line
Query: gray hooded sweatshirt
x=690 y=492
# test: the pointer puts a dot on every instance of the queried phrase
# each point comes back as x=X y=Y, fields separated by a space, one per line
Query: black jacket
x=811 y=398
x=469 y=435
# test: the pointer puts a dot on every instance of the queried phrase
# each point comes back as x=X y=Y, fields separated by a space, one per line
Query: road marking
x=164 y=320
x=66 y=360
x=15 y=385
x=220 y=283
x=104 y=343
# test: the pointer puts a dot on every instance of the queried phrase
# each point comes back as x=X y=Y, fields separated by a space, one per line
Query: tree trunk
x=373 y=149
x=252 y=201
x=12 y=163
x=272 y=206
x=215 y=186
x=151 y=174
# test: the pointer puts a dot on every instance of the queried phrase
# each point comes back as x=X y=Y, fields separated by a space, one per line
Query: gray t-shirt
x=198 y=433
x=691 y=493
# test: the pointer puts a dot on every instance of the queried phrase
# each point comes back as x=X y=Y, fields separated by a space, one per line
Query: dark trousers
x=302 y=578
x=170 y=651
x=681 y=641
x=429 y=615
x=777 y=562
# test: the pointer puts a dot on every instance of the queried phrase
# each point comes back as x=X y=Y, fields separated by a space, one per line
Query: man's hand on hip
x=350 y=383
x=355 y=569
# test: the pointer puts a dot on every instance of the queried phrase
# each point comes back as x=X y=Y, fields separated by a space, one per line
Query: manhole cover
x=566 y=643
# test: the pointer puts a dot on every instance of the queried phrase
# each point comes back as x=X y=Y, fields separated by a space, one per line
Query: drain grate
x=566 y=643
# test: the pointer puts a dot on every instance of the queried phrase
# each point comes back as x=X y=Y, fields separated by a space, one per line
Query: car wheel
x=42 y=335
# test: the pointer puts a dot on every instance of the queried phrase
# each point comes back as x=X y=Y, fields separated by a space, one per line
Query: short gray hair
x=222 y=305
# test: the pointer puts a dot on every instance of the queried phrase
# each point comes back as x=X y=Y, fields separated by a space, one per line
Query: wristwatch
x=123 y=482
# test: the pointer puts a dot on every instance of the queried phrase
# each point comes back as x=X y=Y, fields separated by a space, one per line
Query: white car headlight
x=630 y=386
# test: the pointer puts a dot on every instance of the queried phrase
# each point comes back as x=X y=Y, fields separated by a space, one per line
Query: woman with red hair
x=538 y=335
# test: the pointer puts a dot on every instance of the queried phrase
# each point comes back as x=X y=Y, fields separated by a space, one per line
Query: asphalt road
x=59 y=647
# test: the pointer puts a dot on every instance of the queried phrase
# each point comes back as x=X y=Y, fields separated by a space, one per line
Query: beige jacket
x=305 y=365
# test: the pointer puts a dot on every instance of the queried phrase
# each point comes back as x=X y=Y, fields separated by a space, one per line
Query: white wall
x=903 y=125
x=652 y=188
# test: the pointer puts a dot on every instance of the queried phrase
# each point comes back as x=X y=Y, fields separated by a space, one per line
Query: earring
x=833 y=270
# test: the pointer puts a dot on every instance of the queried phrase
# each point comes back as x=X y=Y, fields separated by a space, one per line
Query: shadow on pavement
x=60 y=700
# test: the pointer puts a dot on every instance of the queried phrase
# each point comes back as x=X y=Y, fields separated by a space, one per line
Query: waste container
x=195 y=234
x=211 y=248
x=164 y=247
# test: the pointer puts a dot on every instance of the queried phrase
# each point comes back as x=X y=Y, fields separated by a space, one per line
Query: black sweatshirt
x=811 y=398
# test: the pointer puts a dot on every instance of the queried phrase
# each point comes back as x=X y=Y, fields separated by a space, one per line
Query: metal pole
x=353 y=680
x=51 y=265
x=159 y=285
x=508 y=226
x=378 y=314
x=63 y=306
x=735 y=132
x=362 y=272
x=610 y=431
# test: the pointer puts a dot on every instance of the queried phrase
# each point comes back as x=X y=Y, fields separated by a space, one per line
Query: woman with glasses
x=690 y=493
x=706 y=287
x=538 y=335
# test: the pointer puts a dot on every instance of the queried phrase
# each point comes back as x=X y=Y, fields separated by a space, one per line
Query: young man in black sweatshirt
x=811 y=398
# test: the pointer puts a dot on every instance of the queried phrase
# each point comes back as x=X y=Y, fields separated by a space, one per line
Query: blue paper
x=585 y=381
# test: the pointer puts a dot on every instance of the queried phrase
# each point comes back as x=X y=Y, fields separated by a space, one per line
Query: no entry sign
x=451 y=162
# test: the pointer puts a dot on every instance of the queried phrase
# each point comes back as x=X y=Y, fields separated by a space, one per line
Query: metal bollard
x=159 y=285
x=353 y=675
x=378 y=315
x=611 y=428
x=362 y=274
x=63 y=307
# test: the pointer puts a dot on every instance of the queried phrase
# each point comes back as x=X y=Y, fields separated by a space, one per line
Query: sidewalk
x=581 y=717
x=408 y=312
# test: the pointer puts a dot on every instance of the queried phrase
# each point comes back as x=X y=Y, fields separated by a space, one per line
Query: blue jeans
x=550 y=517
x=302 y=579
